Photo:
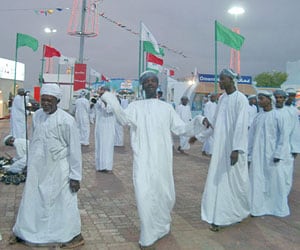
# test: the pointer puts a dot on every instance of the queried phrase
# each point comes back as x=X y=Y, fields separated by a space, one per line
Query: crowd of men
x=252 y=143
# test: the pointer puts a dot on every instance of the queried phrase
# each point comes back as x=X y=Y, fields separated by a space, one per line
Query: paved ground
x=110 y=220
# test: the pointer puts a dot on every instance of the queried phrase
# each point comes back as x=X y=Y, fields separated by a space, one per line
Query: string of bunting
x=50 y=11
x=137 y=33
x=43 y=11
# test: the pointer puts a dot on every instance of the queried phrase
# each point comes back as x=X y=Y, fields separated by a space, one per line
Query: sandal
x=75 y=242
x=16 y=180
x=2 y=178
x=8 y=179
x=22 y=177
x=15 y=239
x=214 y=228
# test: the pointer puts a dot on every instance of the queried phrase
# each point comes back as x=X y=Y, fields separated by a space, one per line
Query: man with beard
x=152 y=122
x=268 y=154
x=225 y=200
x=184 y=112
x=48 y=213
x=292 y=135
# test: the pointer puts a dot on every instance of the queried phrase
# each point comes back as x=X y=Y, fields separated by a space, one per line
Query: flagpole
x=71 y=88
x=58 y=73
x=42 y=69
x=140 y=56
x=216 y=58
x=15 y=73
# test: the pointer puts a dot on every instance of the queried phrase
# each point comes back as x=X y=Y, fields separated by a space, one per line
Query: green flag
x=228 y=37
x=26 y=40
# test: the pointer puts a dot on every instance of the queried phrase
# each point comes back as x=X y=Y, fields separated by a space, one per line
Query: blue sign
x=211 y=78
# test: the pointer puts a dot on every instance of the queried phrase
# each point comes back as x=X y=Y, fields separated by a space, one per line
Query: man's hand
x=74 y=186
x=192 y=140
x=206 y=123
x=234 y=157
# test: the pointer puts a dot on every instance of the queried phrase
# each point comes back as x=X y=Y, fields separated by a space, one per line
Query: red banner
x=36 y=93
x=79 y=76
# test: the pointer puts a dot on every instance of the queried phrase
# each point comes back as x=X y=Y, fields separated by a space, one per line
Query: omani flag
x=154 y=63
x=150 y=44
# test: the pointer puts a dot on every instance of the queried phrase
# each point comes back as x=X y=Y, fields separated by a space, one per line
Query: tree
x=272 y=80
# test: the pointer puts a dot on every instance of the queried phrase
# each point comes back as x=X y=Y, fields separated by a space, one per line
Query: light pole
x=49 y=31
x=235 y=58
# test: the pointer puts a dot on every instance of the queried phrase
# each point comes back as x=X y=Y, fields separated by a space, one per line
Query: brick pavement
x=110 y=220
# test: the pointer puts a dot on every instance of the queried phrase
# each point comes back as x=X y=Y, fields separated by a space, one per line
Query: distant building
x=7 y=88
x=198 y=89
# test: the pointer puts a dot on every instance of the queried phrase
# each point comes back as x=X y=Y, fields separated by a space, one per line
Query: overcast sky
x=270 y=27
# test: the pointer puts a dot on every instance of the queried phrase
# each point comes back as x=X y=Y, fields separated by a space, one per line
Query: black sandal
x=22 y=177
x=214 y=228
x=8 y=179
x=15 y=180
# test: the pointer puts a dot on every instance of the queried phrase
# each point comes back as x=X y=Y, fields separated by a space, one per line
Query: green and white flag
x=150 y=44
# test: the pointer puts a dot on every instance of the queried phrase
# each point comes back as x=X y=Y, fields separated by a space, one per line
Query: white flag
x=94 y=73
x=67 y=60
x=149 y=39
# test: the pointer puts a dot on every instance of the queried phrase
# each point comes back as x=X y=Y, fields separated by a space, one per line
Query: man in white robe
x=18 y=116
x=48 y=211
x=82 y=117
x=184 y=112
x=252 y=108
x=226 y=193
x=209 y=112
x=93 y=110
x=151 y=122
x=294 y=116
x=119 y=130
x=268 y=153
x=104 y=136
x=292 y=134
x=19 y=161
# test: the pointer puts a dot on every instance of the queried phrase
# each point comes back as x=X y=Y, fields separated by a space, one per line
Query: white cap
x=51 y=89
x=8 y=137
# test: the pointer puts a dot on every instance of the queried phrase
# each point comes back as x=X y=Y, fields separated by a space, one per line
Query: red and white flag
x=104 y=78
x=171 y=72
x=154 y=63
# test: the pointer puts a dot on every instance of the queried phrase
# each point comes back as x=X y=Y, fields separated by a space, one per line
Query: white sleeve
x=122 y=117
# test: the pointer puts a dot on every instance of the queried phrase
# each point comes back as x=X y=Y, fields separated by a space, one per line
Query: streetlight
x=50 y=31
x=235 y=59
x=236 y=10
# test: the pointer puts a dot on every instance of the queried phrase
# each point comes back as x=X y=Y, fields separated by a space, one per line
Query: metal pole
x=15 y=73
x=83 y=10
x=216 y=60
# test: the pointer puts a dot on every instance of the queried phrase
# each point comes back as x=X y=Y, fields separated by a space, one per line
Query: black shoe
x=214 y=228
x=103 y=170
